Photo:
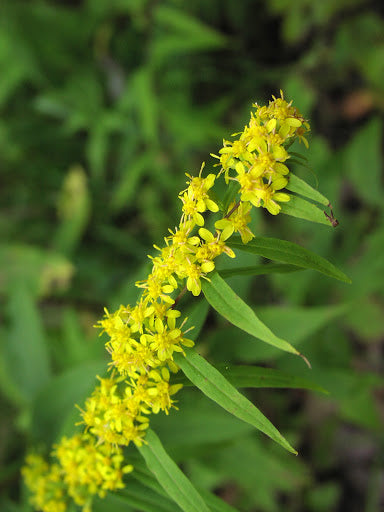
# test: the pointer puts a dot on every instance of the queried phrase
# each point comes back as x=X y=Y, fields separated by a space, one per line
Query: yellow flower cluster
x=83 y=470
x=44 y=482
x=143 y=338
x=257 y=157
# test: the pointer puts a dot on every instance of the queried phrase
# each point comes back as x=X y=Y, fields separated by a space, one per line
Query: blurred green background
x=105 y=105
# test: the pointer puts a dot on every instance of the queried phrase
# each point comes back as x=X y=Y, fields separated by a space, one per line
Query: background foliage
x=105 y=105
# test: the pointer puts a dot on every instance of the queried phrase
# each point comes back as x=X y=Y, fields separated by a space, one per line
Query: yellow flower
x=212 y=248
x=45 y=483
x=143 y=338
x=237 y=222
x=165 y=339
x=160 y=391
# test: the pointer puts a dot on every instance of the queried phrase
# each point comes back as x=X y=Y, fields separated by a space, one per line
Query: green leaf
x=196 y=318
x=148 y=482
x=199 y=422
x=56 y=401
x=170 y=476
x=212 y=383
x=110 y=503
x=257 y=270
x=97 y=148
x=40 y=270
x=302 y=209
x=145 y=499
x=288 y=252
x=25 y=350
x=301 y=187
x=244 y=376
x=364 y=152
x=128 y=184
x=222 y=298
x=181 y=34
x=146 y=104
x=296 y=323
x=74 y=210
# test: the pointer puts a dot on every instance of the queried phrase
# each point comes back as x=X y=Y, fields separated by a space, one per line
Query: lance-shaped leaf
x=301 y=187
x=247 y=376
x=288 y=252
x=222 y=298
x=170 y=476
x=146 y=479
x=302 y=209
x=140 y=497
x=257 y=270
x=216 y=387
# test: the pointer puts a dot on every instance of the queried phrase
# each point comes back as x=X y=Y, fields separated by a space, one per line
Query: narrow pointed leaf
x=288 y=252
x=215 y=504
x=170 y=476
x=257 y=270
x=216 y=387
x=301 y=187
x=247 y=376
x=196 y=318
x=298 y=155
x=222 y=298
x=302 y=209
x=142 y=498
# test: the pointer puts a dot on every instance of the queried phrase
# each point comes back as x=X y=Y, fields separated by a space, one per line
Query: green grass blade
x=216 y=387
x=222 y=298
x=289 y=252
x=170 y=476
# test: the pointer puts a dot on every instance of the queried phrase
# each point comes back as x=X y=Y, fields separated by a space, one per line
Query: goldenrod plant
x=152 y=343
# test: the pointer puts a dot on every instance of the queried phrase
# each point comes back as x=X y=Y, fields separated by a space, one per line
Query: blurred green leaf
x=128 y=184
x=296 y=323
x=212 y=383
x=73 y=210
x=172 y=479
x=184 y=34
x=75 y=345
x=25 y=351
x=56 y=401
x=248 y=460
x=146 y=105
x=365 y=318
x=200 y=422
x=324 y=497
x=363 y=155
x=197 y=316
x=42 y=271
